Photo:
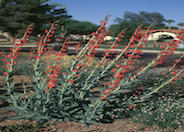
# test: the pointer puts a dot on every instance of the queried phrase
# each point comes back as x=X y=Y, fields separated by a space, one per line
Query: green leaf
x=12 y=85
x=17 y=117
x=75 y=110
x=38 y=96
x=67 y=99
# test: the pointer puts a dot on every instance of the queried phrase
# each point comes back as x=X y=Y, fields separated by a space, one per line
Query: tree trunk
x=169 y=27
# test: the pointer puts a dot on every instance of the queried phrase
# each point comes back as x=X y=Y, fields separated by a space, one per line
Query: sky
x=95 y=10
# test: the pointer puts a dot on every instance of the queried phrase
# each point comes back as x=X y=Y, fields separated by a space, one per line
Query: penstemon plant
x=69 y=95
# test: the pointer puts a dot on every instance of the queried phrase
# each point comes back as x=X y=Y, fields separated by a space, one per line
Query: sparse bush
x=164 y=111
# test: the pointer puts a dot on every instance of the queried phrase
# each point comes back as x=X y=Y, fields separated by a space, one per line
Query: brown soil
x=124 y=125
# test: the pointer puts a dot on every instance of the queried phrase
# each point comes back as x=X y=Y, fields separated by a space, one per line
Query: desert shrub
x=69 y=94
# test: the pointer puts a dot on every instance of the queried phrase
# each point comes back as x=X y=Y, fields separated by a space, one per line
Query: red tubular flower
x=18 y=49
x=55 y=72
x=76 y=75
x=93 y=33
x=8 y=56
x=50 y=85
x=113 y=70
x=59 y=58
x=132 y=77
x=123 y=71
x=51 y=81
x=132 y=46
x=103 y=98
x=169 y=81
x=108 y=83
x=131 y=106
x=175 y=78
x=163 y=74
x=8 y=63
x=109 y=89
x=94 y=51
x=70 y=80
x=7 y=67
x=75 y=70
x=46 y=90
x=79 y=65
x=48 y=40
x=106 y=92
x=5 y=73
x=92 y=46
x=50 y=67
x=173 y=73
x=182 y=74
x=119 y=40
x=101 y=41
